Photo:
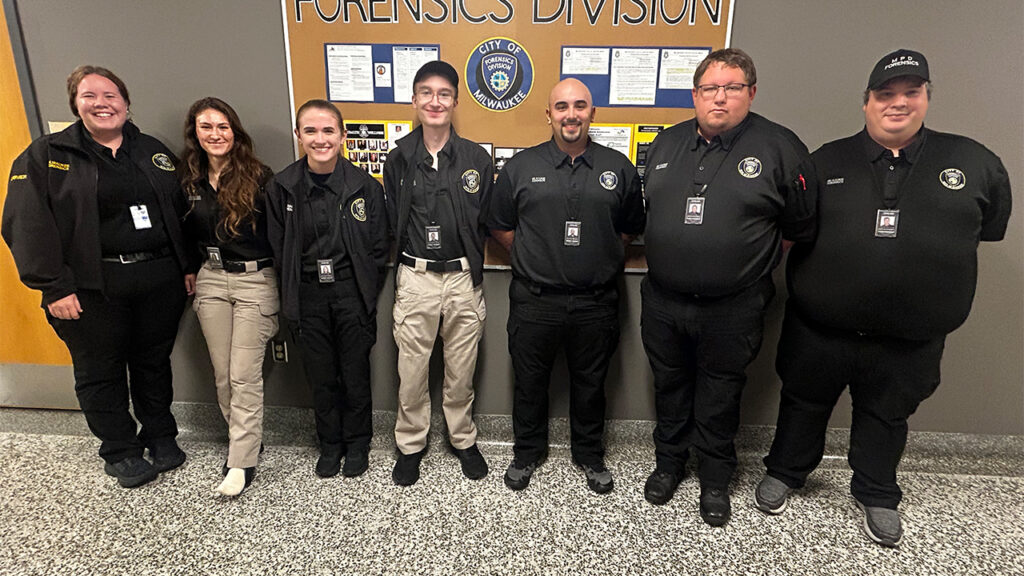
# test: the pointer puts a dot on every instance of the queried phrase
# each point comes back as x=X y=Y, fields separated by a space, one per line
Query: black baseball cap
x=438 y=68
x=902 y=62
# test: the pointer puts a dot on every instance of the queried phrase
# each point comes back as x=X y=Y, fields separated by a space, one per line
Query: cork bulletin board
x=636 y=56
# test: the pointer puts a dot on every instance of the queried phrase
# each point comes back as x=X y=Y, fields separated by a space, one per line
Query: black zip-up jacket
x=471 y=193
x=51 y=217
x=363 y=224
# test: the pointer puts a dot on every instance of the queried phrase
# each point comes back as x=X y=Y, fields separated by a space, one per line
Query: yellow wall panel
x=25 y=337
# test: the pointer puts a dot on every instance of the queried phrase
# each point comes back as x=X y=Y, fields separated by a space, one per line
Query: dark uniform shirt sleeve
x=31 y=232
x=503 y=208
x=798 y=220
x=997 y=213
x=631 y=218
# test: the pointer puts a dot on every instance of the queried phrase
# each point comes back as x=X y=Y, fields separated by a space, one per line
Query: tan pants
x=424 y=303
x=238 y=314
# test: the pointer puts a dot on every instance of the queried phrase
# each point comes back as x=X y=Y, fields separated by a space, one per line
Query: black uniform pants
x=335 y=335
x=131 y=325
x=888 y=378
x=539 y=325
x=699 y=350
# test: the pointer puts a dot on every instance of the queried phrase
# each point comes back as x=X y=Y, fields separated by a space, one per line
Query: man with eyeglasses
x=438 y=186
x=724 y=193
x=565 y=210
x=918 y=201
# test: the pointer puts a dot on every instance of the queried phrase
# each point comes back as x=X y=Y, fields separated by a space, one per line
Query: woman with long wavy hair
x=236 y=287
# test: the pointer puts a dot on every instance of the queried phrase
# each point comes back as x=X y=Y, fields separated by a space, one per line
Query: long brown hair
x=242 y=176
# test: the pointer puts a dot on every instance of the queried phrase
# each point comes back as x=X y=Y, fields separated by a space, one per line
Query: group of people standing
x=115 y=233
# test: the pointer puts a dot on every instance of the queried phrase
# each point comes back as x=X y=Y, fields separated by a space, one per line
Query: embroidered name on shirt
x=18 y=177
x=538 y=179
x=832 y=181
x=59 y=166
x=662 y=165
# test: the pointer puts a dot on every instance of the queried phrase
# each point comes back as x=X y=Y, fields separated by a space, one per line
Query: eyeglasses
x=444 y=97
x=709 y=91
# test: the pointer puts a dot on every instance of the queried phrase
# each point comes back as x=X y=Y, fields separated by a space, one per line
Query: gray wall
x=813 y=58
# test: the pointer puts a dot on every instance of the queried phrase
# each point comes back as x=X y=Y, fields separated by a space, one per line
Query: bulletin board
x=475 y=33
x=637 y=58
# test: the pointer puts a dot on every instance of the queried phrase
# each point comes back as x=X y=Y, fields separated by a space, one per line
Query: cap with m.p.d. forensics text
x=899 y=63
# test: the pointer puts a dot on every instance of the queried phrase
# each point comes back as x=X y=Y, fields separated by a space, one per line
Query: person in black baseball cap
x=921 y=201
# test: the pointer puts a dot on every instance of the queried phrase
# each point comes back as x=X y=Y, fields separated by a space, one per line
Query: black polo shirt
x=542 y=188
x=889 y=170
x=204 y=224
x=120 y=186
x=753 y=197
x=321 y=222
x=432 y=206
x=919 y=284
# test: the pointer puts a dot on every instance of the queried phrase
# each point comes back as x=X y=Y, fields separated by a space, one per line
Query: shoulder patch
x=471 y=181
x=953 y=178
x=163 y=162
x=59 y=166
x=358 y=209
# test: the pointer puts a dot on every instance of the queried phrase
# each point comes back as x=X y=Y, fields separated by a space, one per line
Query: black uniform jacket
x=363 y=222
x=51 y=218
x=473 y=179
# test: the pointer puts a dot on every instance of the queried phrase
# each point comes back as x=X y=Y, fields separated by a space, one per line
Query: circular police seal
x=952 y=178
x=499 y=74
x=608 y=180
x=471 y=181
x=163 y=162
x=749 y=167
x=358 y=209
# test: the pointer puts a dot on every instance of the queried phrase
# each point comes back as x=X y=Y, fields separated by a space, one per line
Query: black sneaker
x=407 y=468
x=166 y=455
x=131 y=472
x=518 y=473
x=715 y=508
x=661 y=486
x=599 y=478
x=771 y=495
x=357 y=460
x=882 y=525
x=473 y=464
x=329 y=463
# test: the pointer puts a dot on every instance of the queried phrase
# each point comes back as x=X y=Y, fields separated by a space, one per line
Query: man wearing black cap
x=723 y=192
x=919 y=201
x=438 y=187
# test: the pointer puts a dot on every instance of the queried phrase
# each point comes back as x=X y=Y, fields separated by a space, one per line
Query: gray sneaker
x=517 y=476
x=771 y=495
x=882 y=525
x=599 y=478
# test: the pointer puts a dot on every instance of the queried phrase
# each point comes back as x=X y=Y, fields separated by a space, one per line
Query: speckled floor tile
x=61 y=515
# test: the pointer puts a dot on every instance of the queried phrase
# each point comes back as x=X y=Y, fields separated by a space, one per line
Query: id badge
x=694 y=210
x=433 y=237
x=213 y=257
x=886 y=223
x=140 y=216
x=572 y=233
x=325 y=267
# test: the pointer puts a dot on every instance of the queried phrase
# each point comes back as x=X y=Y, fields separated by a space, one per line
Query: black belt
x=433 y=265
x=239 y=266
x=538 y=289
x=137 y=256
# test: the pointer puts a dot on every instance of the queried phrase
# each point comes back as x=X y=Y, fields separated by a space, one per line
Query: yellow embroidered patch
x=18 y=177
x=59 y=166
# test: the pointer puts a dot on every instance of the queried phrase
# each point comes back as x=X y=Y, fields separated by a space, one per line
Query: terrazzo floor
x=59 y=514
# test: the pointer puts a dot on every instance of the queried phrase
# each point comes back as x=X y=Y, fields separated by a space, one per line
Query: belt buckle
x=251 y=265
